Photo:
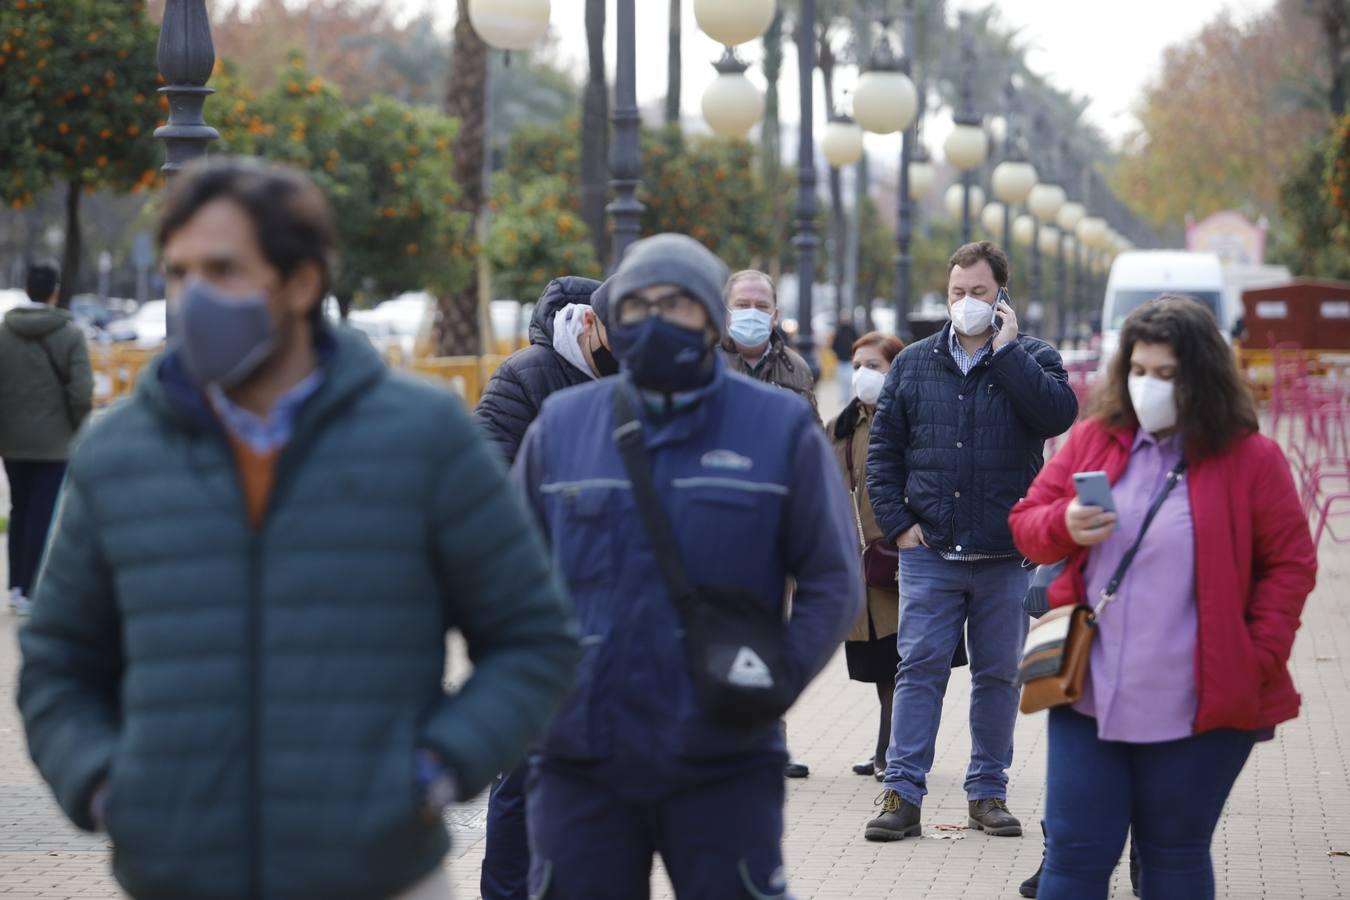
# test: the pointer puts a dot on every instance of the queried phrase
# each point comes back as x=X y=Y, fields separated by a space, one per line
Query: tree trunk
x=457 y=325
x=673 y=62
x=825 y=62
x=771 y=153
x=70 y=265
x=595 y=132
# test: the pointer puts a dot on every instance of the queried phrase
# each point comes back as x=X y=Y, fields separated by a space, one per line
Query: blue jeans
x=937 y=599
x=506 y=858
x=1171 y=794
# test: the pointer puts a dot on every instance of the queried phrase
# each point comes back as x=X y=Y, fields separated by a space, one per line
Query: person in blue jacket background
x=631 y=765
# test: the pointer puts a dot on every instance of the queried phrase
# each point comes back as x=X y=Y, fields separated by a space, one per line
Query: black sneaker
x=865 y=768
x=796 y=770
x=992 y=817
x=899 y=819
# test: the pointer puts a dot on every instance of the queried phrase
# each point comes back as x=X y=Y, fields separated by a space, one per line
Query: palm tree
x=673 y=61
x=595 y=131
x=466 y=99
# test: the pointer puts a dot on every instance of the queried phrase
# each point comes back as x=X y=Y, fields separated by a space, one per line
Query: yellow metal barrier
x=119 y=367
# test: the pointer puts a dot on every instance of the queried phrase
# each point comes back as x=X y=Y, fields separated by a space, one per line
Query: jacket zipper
x=253 y=764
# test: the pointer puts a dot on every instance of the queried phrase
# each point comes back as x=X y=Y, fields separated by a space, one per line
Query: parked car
x=146 y=328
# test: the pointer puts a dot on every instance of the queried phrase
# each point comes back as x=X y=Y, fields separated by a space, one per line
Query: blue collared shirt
x=965 y=360
x=263 y=434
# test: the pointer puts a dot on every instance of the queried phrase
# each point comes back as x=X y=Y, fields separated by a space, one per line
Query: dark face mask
x=223 y=339
x=662 y=356
x=605 y=363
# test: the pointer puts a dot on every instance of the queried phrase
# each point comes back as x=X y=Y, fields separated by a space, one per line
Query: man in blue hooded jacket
x=632 y=765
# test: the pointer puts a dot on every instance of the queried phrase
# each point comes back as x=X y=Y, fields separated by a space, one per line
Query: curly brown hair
x=1214 y=405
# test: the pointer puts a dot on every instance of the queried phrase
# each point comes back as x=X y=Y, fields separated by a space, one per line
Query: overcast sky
x=1104 y=51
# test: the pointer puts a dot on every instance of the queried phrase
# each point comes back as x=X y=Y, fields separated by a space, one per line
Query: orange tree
x=537 y=235
x=385 y=168
x=77 y=104
x=708 y=188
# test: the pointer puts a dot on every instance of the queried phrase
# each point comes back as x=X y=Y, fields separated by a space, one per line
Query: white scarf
x=568 y=327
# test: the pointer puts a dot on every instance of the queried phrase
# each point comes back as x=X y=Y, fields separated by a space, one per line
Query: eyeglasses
x=676 y=306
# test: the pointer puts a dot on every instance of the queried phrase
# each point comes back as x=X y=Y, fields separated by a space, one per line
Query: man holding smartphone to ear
x=958 y=436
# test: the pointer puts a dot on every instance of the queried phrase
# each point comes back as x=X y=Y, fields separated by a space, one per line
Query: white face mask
x=867 y=385
x=971 y=317
x=1155 y=403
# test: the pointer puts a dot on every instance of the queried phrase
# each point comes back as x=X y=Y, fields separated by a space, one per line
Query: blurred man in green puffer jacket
x=236 y=657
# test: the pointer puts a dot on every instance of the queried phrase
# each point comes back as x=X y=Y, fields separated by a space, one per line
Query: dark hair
x=291 y=217
x=742 y=276
x=41 y=281
x=970 y=254
x=1214 y=405
x=889 y=345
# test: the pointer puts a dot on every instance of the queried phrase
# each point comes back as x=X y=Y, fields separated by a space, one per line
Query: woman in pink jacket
x=1189 y=666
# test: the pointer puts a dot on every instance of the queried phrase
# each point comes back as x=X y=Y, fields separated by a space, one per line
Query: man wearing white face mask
x=957 y=438
x=754 y=346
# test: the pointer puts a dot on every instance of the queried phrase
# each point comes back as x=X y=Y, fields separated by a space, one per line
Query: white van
x=1139 y=276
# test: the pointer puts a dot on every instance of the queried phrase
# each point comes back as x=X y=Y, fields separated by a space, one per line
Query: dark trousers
x=720 y=840
x=506 y=860
x=1171 y=794
x=33 y=488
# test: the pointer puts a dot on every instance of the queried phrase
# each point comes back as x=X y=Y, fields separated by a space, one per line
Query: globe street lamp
x=1024 y=230
x=843 y=142
x=994 y=220
x=805 y=239
x=922 y=176
x=510 y=24
x=967 y=146
x=186 y=57
x=973 y=195
x=732 y=105
x=733 y=22
x=625 y=153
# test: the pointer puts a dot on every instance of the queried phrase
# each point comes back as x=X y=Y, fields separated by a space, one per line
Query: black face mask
x=605 y=363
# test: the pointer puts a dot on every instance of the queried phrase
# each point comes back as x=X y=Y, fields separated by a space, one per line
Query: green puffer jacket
x=46 y=385
x=255 y=698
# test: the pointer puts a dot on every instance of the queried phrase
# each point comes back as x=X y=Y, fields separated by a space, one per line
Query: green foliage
x=385 y=167
x=537 y=235
x=1313 y=237
x=708 y=188
x=77 y=96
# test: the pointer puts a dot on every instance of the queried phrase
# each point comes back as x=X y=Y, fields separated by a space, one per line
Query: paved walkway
x=1289 y=810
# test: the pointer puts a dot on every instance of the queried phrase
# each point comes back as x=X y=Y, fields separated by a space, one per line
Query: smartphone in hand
x=1094 y=490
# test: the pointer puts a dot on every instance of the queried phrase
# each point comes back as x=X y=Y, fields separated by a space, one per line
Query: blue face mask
x=662 y=356
x=750 y=327
x=223 y=339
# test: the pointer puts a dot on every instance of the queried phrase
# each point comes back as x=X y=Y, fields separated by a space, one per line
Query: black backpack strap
x=1109 y=593
x=660 y=534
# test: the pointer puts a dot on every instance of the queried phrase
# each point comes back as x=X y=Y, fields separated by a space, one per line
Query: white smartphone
x=1094 y=490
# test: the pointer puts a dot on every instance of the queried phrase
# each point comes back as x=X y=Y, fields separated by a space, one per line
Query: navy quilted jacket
x=516 y=391
x=954 y=452
x=254 y=698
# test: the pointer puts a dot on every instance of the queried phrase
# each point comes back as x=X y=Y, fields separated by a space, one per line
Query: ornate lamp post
x=805 y=239
x=625 y=154
x=886 y=101
x=967 y=146
x=1013 y=178
x=186 y=58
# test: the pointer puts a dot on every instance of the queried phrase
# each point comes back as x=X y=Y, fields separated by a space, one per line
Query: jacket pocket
x=581 y=521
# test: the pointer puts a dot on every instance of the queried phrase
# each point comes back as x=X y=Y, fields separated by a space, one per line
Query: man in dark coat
x=46 y=392
x=568 y=346
x=754 y=345
x=236 y=657
x=633 y=764
x=958 y=436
